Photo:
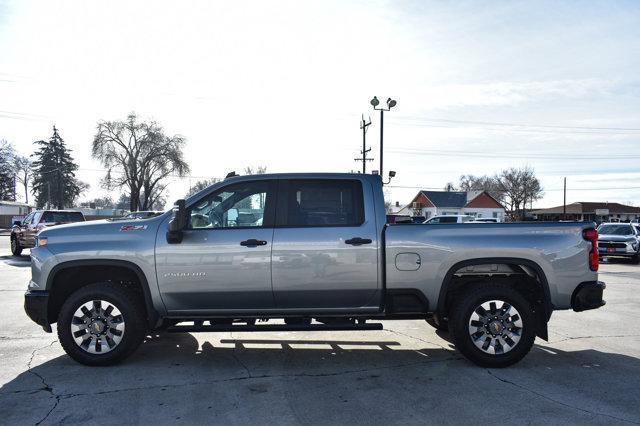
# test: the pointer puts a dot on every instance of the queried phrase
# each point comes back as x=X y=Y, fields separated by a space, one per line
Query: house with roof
x=473 y=203
x=590 y=211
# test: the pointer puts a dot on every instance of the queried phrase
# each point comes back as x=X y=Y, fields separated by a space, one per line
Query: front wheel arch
x=93 y=271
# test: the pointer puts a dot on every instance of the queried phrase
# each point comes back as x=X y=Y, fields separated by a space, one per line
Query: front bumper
x=35 y=305
x=628 y=250
x=588 y=295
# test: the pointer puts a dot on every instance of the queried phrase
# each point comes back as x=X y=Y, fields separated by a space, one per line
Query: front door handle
x=252 y=242
x=357 y=241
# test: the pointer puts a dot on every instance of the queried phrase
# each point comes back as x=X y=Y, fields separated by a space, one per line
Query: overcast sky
x=480 y=86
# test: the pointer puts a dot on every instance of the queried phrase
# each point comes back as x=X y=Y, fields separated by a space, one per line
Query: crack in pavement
x=237 y=358
x=564 y=404
x=45 y=386
x=416 y=338
x=265 y=376
x=566 y=338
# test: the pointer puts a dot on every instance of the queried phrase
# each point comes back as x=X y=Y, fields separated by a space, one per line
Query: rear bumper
x=588 y=295
x=35 y=305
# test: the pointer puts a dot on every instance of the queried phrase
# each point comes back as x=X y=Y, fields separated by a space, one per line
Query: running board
x=274 y=327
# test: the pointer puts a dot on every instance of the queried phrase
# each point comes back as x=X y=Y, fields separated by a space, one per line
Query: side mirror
x=177 y=223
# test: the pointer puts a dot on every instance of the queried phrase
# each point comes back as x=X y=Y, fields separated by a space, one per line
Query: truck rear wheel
x=101 y=324
x=492 y=325
x=16 y=249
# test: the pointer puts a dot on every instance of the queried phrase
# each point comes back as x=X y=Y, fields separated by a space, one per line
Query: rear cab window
x=321 y=203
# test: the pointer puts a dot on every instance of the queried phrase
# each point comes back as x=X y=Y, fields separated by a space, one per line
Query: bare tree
x=255 y=170
x=140 y=157
x=200 y=185
x=486 y=183
x=22 y=166
x=519 y=186
x=449 y=187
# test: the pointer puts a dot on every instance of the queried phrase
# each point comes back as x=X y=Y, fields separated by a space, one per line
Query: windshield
x=62 y=217
x=615 y=230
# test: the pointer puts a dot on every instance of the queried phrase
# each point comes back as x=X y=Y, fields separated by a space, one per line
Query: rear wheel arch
x=539 y=280
x=80 y=273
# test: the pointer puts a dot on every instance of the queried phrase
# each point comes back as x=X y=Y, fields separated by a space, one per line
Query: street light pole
x=381 y=141
x=390 y=104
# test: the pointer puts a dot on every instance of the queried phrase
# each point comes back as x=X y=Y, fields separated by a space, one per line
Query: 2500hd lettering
x=306 y=252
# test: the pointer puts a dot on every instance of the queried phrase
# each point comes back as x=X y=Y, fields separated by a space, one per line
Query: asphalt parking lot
x=589 y=372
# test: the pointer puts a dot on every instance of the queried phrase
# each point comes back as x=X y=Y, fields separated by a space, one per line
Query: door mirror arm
x=177 y=223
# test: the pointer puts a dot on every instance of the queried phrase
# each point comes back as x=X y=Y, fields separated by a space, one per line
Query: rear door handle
x=357 y=241
x=252 y=242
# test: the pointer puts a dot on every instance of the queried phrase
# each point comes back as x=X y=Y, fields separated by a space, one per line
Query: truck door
x=325 y=245
x=28 y=230
x=224 y=260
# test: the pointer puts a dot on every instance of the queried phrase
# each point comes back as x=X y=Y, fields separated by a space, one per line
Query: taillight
x=591 y=235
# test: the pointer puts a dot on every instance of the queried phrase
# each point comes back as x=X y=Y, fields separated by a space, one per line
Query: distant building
x=472 y=203
x=590 y=211
x=11 y=211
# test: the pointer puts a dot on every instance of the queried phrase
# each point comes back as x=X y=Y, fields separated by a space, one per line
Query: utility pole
x=61 y=200
x=364 y=159
x=564 y=204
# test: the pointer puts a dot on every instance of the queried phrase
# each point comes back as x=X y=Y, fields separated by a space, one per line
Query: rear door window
x=450 y=219
x=322 y=202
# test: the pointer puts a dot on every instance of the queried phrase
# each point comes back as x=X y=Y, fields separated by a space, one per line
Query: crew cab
x=306 y=252
x=23 y=234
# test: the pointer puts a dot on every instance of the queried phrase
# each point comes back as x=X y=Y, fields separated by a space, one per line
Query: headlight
x=41 y=241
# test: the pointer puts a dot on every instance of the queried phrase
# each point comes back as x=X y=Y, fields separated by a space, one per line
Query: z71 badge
x=127 y=228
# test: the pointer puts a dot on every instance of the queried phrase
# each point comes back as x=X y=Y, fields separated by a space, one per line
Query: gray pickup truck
x=306 y=252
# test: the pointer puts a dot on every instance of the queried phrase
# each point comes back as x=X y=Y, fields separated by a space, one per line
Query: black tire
x=461 y=313
x=16 y=249
x=126 y=301
x=438 y=323
x=635 y=259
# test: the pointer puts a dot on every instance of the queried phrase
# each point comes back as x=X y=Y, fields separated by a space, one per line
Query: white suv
x=457 y=218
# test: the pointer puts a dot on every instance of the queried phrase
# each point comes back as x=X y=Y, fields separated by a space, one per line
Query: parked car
x=143 y=214
x=619 y=240
x=23 y=234
x=315 y=251
x=458 y=218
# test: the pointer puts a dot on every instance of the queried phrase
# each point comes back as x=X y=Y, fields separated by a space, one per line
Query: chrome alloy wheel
x=495 y=327
x=97 y=326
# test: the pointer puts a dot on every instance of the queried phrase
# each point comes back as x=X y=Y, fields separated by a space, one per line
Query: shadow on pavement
x=20 y=261
x=377 y=376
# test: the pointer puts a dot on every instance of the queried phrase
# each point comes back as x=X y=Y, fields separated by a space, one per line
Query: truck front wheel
x=101 y=324
x=492 y=325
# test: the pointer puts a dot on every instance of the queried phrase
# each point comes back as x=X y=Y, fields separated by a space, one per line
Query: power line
x=523 y=125
x=478 y=154
x=544 y=189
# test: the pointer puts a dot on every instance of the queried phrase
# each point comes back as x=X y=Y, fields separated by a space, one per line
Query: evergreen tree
x=7 y=173
x=54 y=179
